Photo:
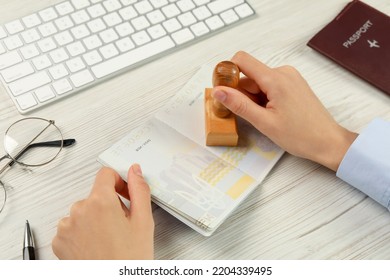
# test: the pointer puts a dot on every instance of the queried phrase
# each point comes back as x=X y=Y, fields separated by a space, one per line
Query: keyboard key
x=92 y=58
x=14 y=27
x=109 y=51
x=140 y=23
x=172 y=25
x=140 y=38
x=219 y=6
x=29 y=83
x=8 y=59
x=96 y=11
x=214 y=22
x=2 y=33
x=46 y=45
x=13 y=42
x=132 y=57
x=171 y=10
x=2 y=49
x=187 y=19
x=64 y=23
x=128 y=13
x=125 y=44
x=80 y=17
x=45 y=93
x=202 y=13
x=82 y=78
x=75 y=64
x=96 y=25
x=41 y=62
x=62 y=86
x=31 y=20
x=124 y=29
x=48 y=14
x=112 y=5
x=158 y=3
x=59 y=55
x=201 y=2
x=112 y=19
x=108 y=35
x=79 y=4
x=29 y=51
x=244 y=10
x=92 y=42
x=128 y=2
x=58 y=71
x=199 y=29
x=17 y=71
x=229 y=16
x=26 y=101
x=64 y=8
x=80 y=31
x=63 y=38
x=185 y=5
x=143 y=7
x=155 y=17
x=47 y=29
x=30 y=36
x=157 y=31
x=182 y=36
x=75 y=48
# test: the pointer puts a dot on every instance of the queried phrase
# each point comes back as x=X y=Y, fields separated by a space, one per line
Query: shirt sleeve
x=366 y=165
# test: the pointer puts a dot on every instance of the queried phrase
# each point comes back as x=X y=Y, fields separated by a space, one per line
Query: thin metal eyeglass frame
x=56 y=143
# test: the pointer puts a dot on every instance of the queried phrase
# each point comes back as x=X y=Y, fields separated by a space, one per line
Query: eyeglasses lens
x=24 y=140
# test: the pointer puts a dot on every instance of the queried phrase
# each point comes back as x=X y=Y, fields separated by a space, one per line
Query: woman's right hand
x=291 y=115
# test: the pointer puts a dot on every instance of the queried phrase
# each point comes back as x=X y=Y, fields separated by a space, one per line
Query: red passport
x=359 y=40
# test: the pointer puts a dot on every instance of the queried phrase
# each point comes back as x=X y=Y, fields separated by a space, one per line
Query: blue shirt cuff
x=366 y=165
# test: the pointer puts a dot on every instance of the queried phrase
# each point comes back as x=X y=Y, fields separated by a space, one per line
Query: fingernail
x=219 y=95
x=137 y=169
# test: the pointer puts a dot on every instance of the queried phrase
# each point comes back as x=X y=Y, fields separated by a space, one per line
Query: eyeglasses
x=31 y=142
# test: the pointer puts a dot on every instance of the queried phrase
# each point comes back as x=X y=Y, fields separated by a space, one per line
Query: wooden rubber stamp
x=221 y=125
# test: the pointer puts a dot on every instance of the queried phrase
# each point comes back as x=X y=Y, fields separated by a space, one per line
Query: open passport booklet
x=197 y=184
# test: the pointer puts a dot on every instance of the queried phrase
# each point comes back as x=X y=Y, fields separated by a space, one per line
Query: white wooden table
x=301 y=211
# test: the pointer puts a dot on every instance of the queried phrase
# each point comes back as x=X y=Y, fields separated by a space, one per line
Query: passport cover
x=359 y=40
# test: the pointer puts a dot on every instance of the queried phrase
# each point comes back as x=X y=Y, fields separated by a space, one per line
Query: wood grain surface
x=301 y=210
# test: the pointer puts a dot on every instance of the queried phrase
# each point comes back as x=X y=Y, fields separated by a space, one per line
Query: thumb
x=139 y=193
x=241 y=105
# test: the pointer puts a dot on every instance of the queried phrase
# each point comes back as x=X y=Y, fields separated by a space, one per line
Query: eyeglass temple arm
x=55 y=143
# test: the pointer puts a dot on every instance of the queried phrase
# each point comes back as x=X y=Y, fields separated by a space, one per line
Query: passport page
x=197 y=184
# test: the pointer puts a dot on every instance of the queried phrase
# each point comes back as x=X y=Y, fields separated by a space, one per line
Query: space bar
x=132 y=57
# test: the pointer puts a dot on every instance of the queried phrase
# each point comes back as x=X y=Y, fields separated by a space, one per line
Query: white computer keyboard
x=67 y=47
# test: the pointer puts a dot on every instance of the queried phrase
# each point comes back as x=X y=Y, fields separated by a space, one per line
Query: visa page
x=199 y=185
